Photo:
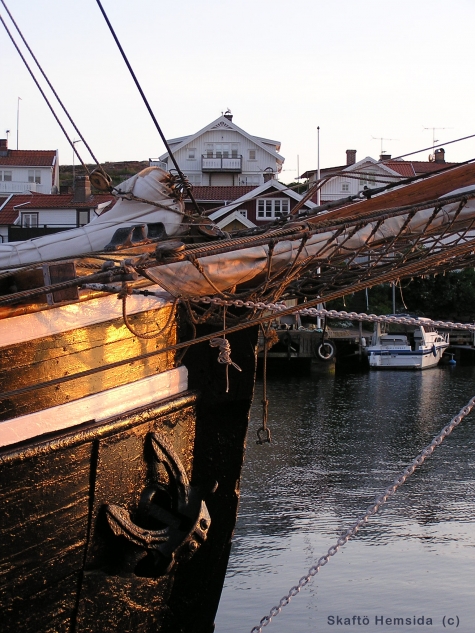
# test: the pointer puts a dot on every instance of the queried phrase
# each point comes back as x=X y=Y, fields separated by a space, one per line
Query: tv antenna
x=436 y=140
x=381 y=139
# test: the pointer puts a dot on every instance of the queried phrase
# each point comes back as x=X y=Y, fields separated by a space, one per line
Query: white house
x=269 y=202
x=223 y=154
x=350 y=179
x=28 y=170
x=27 y=215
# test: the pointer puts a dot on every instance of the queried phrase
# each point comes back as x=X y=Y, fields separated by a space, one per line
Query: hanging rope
x=263 y=432
x=224 y=356
x=125 y=292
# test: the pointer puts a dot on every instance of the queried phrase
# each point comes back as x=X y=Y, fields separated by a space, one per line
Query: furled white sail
x=150 y=185
x=249 y=265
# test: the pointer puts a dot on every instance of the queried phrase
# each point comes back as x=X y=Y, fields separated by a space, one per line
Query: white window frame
x=29 y=220
x=368 y=179
x=243 y=212
x=247 y=179
x=34 y=175
x=194 y=179
x=271 y=208
x=252 y=154
x=345 y=186
x=6 y=175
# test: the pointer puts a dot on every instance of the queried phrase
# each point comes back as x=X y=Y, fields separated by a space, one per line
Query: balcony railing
x=9 y=186
x=18 y=233
x=221 y=163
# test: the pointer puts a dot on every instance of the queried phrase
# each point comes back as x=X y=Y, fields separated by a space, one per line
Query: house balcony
x=10 y=186
x=221 y=164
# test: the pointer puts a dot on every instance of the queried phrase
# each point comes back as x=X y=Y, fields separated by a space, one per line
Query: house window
x=82 y=217
x=249 y=180
x=243 y=212
x=367 y=179
x=194 y=179
x=34 y=175
x=345 y=186
x=192 y=153
x=271 y=208
x=252 y=154
x=5 y=175
x=29 y=220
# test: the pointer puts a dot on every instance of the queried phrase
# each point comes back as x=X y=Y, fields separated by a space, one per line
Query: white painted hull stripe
x=28 y=327
x=97 y=407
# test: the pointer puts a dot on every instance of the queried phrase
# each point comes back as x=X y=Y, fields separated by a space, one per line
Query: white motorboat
x=420 y=349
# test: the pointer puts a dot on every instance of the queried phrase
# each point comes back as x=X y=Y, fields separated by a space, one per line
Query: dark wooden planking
x=43 y=530
x=45 y=492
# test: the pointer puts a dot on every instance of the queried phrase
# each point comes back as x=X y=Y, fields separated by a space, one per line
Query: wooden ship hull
x=119 y=467
x=122 y=430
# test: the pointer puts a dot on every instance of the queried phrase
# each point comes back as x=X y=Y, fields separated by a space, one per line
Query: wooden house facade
x=223 y=154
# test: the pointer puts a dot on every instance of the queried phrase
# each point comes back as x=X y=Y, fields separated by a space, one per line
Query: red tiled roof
x=424 y=167
x=402 y=167
x=8 y=213
x=221 y=194
x=29 y=158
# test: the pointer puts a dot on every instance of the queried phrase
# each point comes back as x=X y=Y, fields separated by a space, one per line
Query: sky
x=371 y=74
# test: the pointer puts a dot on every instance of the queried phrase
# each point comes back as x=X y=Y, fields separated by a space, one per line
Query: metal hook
x=263 y=431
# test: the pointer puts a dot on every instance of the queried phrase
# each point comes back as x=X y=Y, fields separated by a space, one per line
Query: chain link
x=336 y=314
x=370 y=511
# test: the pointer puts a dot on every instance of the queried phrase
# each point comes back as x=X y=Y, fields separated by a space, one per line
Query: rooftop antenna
x=435 y=140
x=381 y=139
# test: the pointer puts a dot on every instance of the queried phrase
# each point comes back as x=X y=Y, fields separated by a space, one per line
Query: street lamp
x=74 y=151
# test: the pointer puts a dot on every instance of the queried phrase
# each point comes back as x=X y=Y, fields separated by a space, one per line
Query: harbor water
x=339 y=439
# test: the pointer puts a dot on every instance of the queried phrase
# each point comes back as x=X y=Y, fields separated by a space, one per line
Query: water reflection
x=339 y=440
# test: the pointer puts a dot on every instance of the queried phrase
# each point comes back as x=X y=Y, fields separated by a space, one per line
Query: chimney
x=384 y=156
x=82 y=189
x=3 y=147
x=227 y=115
x=439 y=155
x=350 y=156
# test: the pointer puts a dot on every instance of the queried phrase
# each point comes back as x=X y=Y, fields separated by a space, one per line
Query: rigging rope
x=56 y=95
x=186 y=184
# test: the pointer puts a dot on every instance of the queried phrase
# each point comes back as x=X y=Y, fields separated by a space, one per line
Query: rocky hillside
x=117 y=171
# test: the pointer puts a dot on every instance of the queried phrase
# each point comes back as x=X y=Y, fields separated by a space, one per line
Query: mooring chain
x=371 y=510
x=335 y=314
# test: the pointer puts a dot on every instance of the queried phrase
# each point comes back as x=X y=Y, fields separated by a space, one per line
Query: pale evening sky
x=356 y=68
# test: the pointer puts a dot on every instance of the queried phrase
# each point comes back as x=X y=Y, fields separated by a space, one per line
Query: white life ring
x=325 y=351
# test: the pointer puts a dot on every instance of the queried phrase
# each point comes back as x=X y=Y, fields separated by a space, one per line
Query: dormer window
x=270 y=208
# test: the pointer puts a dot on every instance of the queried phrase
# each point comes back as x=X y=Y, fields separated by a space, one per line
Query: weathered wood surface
x=62 y=569
x=63 y=355
x=51 y=495
x=43 y=531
